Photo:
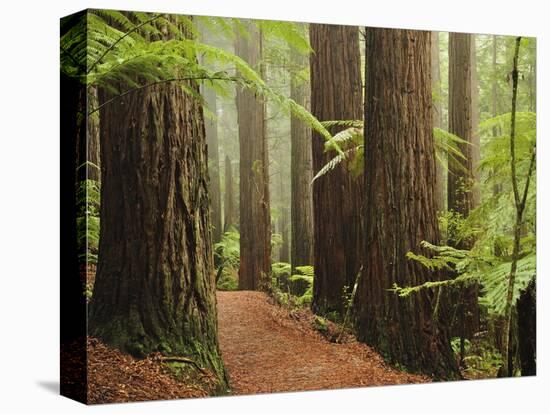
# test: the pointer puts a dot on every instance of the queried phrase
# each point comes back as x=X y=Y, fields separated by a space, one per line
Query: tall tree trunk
x=229 y=197
x=336 y=94
x=437 y=115
x=255 y=220
x=301 y=167
x=463 y=193
x=527 y=330
x=155 y=287
x=400 y=206
x=285 y=246
x=211 y=128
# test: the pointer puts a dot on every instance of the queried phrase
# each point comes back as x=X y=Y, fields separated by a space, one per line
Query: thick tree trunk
x=229 y=197
x=301 y=166
x=211 y=128
x=155 y=287
x=255 y=220
x=463 y=191
x=400 y=205
x=527 y=330
x=285 y=246
x=437 y=115
x=336 y=94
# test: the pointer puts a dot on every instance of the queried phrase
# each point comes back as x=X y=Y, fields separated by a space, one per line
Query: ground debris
x=115 y=377
x=267 y=348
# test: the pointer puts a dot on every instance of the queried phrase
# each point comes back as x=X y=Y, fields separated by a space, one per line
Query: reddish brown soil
x=269 y=349
x=115 y=377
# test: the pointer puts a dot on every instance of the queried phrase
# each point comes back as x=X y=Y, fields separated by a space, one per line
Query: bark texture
x=463 y=193
x=255 y=220
x=400 y=205
x=155 y=287
x=229 y=197
x=301 y=166
x=285 y=246
x=336 y=94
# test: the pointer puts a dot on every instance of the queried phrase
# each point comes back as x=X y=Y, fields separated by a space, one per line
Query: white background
x=29 y=204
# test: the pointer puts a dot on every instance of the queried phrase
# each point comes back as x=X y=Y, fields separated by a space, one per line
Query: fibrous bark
x=285 y=246
x=301 y=166
x=229 y=197
x=255 y=220
x=155 y=287
x=336 y=94
x=463 y=193
x=400 y=205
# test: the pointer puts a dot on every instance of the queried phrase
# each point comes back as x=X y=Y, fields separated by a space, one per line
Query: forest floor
x=268 y=348
x=115 y=377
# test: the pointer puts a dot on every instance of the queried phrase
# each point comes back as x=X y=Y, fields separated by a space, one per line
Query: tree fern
x=349 y=144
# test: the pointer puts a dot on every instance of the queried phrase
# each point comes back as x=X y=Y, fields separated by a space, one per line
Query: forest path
x=269 y=349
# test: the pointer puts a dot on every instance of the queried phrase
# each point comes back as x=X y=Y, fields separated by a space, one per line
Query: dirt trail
x=266 y=349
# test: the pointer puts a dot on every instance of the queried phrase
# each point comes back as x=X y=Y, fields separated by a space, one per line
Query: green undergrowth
x=227 y=258
x=291 y=290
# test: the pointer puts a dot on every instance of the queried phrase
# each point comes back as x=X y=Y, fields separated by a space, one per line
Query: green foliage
x=227 y=255
x=495 y=283
x=291 y=290
x=491 y=271
x=280 y=274
x=447 y=147
x=289 y=32
x=349 y=145
x=276 y=240
x=304 y=275
x=455 y=345
x=482 y=361
x=320 y=324
x=120 y=51
x=87 y=220
x=490 y=226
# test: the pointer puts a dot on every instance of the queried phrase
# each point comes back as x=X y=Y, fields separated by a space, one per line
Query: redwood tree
x=463 y=194
x=155 y=287
x=301 y=167
x=255 y=220
x=400 y=205
x=336 y=94
x=229 y=197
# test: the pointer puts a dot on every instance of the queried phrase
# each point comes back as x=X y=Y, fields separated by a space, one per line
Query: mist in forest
x=253 y=196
